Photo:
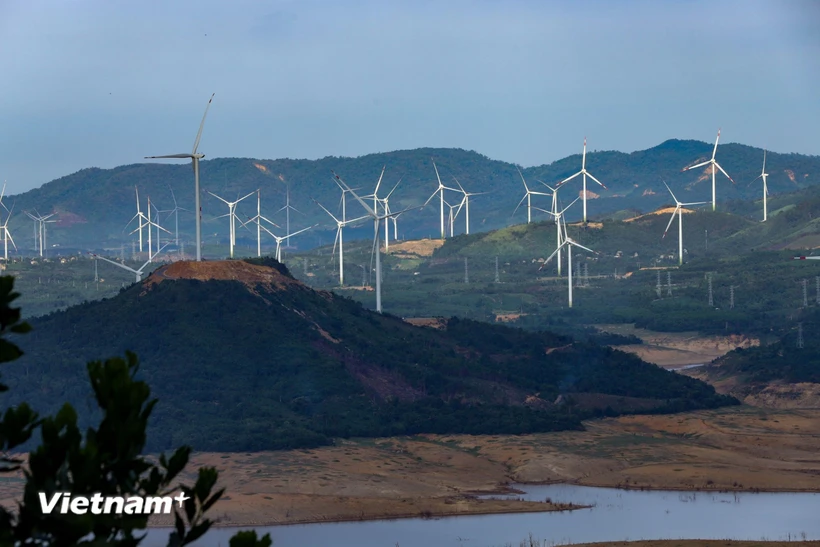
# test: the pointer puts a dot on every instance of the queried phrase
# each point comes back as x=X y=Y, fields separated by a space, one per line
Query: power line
x=800 y=335
x=466 y=272
x=668 y=283
x=731 y=297
x=586 y=275
x=498 y=280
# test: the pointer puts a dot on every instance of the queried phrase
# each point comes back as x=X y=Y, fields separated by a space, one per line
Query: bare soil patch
x=418 y=247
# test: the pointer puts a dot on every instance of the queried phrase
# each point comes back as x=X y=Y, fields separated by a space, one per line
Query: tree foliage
x=104 y=460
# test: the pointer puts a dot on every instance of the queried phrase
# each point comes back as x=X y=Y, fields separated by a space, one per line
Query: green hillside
x=94 y=204
x=244 y=357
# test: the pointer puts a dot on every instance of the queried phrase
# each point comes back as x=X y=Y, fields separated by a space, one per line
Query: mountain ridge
x=94 y=204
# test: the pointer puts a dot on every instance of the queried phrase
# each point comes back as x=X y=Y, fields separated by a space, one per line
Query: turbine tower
x=279 y=239
x=713 y=164
x=560 y=229
x=195 y=157
x=231 y=217
x=585 y=174
x=440 y=191
x=679 y=210
x=528 y=196
x=175 y=211
x=763 y=175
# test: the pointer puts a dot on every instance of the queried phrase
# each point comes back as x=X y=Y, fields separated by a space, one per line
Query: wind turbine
x=452 y=216
x=568 y=242
x=7 y=237
x=231 y=217
x=138 y=272
x=41 y=222
x=559 y=218
x=140 y=215
x=287 y=209
x=528 y=196
x=279 y=240
x=466 y=202
x=679 y=210
x=385 y=201
x=714 y=164
x=585 y=174
x=372 y=213
x=258 y=218
x=763 y=175
x=175 y=211
x=340 y=224
x=440 y=190
x=195 y=157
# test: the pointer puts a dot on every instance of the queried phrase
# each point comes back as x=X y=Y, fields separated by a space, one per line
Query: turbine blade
x=696 y=165
x=568 y=179
x=172 y=156
x=598 y=181
x=325 y=210
x=202 y=124
x=724 y=172
x=675 y=212
x=714 y=151
x=670 y=191
x=355 y=195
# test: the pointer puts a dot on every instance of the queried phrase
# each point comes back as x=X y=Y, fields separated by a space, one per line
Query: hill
x=93 y=205
x=244 y=357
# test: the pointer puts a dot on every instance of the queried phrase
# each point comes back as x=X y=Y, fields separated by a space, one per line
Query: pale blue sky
x=101 y=83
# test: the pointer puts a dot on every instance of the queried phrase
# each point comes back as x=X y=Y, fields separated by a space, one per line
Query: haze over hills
x=93 y=204
x=243 y=357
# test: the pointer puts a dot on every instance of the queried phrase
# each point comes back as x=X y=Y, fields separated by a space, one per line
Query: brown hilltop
x=250 y=275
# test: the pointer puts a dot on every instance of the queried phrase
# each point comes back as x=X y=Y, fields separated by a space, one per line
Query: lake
x=616 y=515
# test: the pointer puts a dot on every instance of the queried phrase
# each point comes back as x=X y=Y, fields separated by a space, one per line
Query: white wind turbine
x=440 y=190
x=257 y=219
x=559 y=219
x=195 y=157
x=7 y=237
x=714 y=164
x=527 y=196
x=140 y=216
x=148 y=224
x=373 y=213
x=231 y=217
x=340 y=224
x=763 y=175
x=175 y=211
x=385 y=201
x=568 y=242
x=679 y=210
x=452 y=216
x=40 y=228
x=279 y=239
x=138 y=272
x=287 y=209
x=585 y=174
x=466 y=202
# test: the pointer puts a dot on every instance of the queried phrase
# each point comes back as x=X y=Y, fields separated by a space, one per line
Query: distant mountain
x=244 y=357
x=93 y=205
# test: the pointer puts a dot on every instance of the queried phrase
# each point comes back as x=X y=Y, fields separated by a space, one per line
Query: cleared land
x=672 y=349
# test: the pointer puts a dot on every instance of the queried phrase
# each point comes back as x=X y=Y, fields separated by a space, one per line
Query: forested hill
x=244 y=357
x=93 y=205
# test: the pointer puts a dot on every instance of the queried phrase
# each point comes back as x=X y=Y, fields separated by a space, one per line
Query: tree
x=105 y=460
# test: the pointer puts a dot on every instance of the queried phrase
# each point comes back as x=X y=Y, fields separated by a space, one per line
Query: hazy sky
x=101 y=83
